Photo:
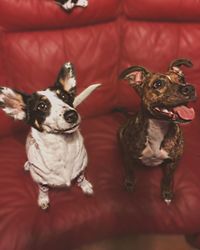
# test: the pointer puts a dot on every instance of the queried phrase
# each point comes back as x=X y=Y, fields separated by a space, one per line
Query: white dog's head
x=51 y=110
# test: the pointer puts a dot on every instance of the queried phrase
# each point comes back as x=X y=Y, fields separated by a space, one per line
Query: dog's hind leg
x=129 y=165
x=130 y=180
x=85 y=185
x=43 y=197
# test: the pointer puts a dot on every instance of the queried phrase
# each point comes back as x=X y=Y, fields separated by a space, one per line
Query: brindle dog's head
x=164 y=96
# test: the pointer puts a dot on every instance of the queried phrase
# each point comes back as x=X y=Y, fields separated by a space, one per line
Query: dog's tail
x=85 y=93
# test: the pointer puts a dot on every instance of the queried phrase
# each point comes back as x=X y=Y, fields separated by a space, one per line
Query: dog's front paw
x=43 y=202
x=43 y=197
x=85 y=185
x=129 y=185
x=88 y=188
x=167 y=196
x=27 y=166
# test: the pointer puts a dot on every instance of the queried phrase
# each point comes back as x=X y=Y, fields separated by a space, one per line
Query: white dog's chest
x=56 y=159
x=153 y=154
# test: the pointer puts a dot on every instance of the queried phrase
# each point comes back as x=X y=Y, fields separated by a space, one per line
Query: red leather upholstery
x=36 y=38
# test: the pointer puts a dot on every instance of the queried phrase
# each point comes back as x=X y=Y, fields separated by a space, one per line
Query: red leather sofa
x=36 y=38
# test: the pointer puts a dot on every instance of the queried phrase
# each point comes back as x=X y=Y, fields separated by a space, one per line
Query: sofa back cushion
x=37 y=37
x=157 y=32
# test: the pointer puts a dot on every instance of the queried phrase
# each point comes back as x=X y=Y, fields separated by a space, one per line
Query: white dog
x=55 y=149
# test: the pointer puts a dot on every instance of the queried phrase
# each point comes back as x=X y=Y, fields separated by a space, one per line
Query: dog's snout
x=71 y=116
x=187 y=90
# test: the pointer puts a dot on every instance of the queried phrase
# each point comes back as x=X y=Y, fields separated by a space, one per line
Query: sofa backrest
x=37 y=37
x=157 y=32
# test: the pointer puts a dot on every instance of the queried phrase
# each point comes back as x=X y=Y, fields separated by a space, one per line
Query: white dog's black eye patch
x=37 y=109
x=65 y=96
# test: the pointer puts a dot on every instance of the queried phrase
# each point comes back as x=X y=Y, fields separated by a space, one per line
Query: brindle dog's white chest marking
x=153 y=154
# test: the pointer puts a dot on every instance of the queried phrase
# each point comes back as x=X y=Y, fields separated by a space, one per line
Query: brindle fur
x=133 y=134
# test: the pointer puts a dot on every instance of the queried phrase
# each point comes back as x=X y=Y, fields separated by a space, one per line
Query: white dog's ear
x=66 y=79
x=12 y=103
x=85 y=93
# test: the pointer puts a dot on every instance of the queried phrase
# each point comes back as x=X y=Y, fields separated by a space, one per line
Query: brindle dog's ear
x=66 y=79
x=175 y=65
x=135 y=75
x=179 y=62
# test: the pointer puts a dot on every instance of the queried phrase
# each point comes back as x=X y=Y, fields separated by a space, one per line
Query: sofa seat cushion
x=73 y=218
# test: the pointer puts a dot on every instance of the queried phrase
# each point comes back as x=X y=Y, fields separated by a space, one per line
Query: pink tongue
x=184 y=112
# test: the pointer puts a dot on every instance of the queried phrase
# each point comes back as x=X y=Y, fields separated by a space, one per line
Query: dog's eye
x=158 y=84
x=42 y=106
x=64 y=96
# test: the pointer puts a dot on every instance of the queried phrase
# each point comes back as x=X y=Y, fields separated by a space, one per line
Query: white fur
x=71 y=81
x=13 y=111
x=69 y=5
x=55 y=160
x=153 y=154
x=56 y=121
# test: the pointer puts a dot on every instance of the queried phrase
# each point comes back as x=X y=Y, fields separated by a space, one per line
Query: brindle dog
x=153 y=136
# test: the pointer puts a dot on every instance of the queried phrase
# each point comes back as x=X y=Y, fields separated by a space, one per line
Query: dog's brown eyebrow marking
x=169 y=78
x=43 y=97
x=58 y=91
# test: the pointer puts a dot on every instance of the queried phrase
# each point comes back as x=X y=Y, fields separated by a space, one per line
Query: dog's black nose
x=71 y=116
x=187 y=90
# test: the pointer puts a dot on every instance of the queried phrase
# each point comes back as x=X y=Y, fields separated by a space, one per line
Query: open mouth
x=181 y=113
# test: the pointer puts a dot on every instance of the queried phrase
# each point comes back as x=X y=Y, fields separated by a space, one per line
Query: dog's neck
x=44 y=137
x=153 y=128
